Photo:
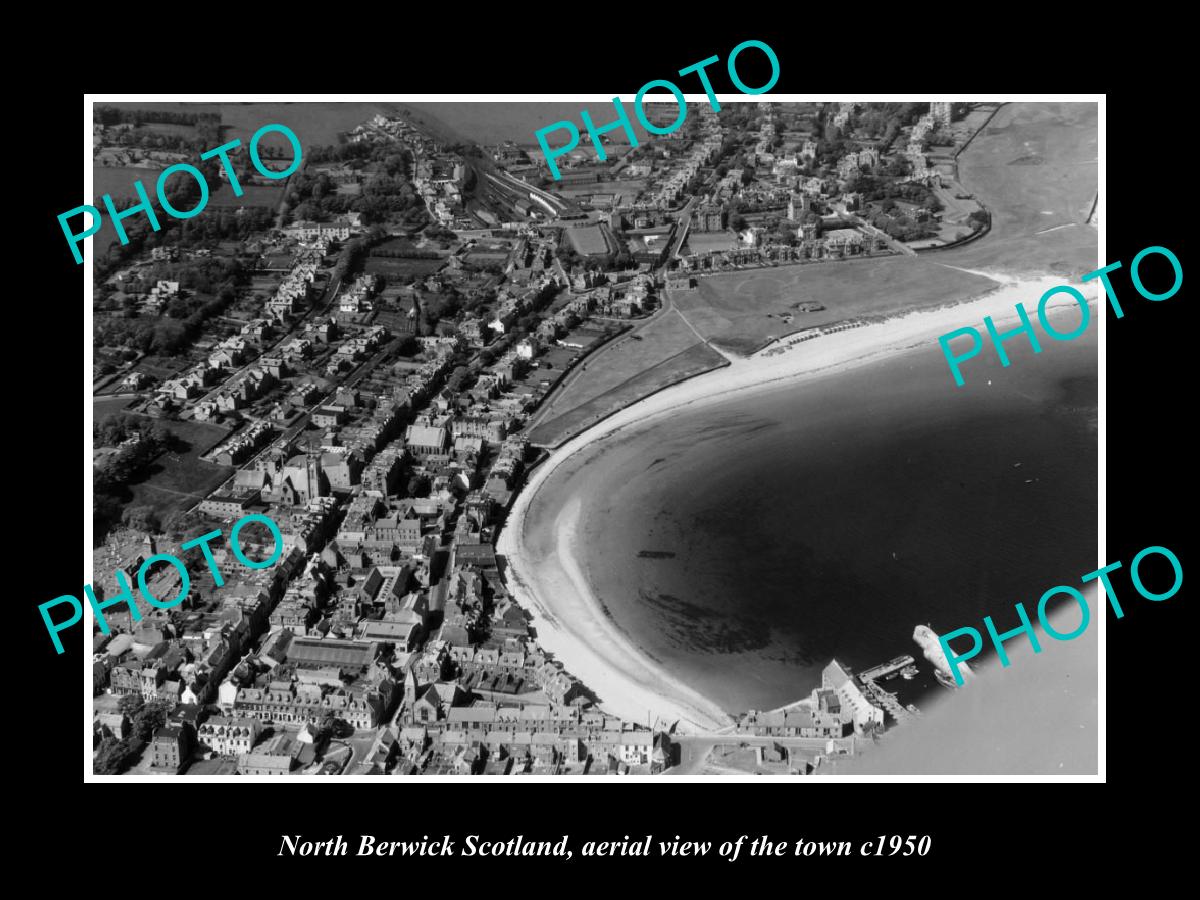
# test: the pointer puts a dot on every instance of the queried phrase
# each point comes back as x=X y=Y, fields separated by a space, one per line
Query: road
x=301 y=422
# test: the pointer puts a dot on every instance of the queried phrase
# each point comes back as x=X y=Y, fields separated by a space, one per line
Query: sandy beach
x=570 y=621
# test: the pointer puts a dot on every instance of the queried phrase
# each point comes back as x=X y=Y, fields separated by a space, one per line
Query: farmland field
x=733 y=310
x=117 y=181
x=316 y=124
x=626 y=370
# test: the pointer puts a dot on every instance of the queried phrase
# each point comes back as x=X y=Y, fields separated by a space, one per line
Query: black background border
x=973 y=826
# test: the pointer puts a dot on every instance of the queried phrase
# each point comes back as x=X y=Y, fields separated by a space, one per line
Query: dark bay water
x=746 y=544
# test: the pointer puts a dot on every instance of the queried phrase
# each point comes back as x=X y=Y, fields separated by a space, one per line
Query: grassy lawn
x=394 y=268
x=117 y=181
x=254 y=195
x=737 y=311
x=177 y=481
x=622 y=373
x=103 y=407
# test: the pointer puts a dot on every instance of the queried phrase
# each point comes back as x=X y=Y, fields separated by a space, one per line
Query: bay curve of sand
x=570 y=621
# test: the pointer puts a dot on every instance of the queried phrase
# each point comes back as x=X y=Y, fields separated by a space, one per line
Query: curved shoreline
x=572 y=623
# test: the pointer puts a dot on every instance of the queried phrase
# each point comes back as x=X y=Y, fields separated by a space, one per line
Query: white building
x=861 y=711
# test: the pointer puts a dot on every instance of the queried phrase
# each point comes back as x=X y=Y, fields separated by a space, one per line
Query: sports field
x=588 y=240
x=740 y=311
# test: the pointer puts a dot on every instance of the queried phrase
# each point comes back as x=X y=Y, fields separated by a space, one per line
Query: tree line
x=117 y=754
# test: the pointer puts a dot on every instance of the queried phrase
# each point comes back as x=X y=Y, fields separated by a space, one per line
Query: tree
x=457 y=379
x=114 y=756
x=130 y=704
x=111 y=430
x=142 y=518
x=106 y=509
x=177 y=523
x=418 y=486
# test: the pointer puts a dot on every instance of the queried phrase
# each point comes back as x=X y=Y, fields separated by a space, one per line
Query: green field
x=315 y=123
x=625 y=371
x=254 y=195
x=102 y=407
x=734 y=310
x=178 y=479
x=1035 y=168
x=117 y=181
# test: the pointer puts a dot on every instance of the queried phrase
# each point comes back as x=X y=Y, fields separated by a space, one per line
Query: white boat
x=927 y=639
